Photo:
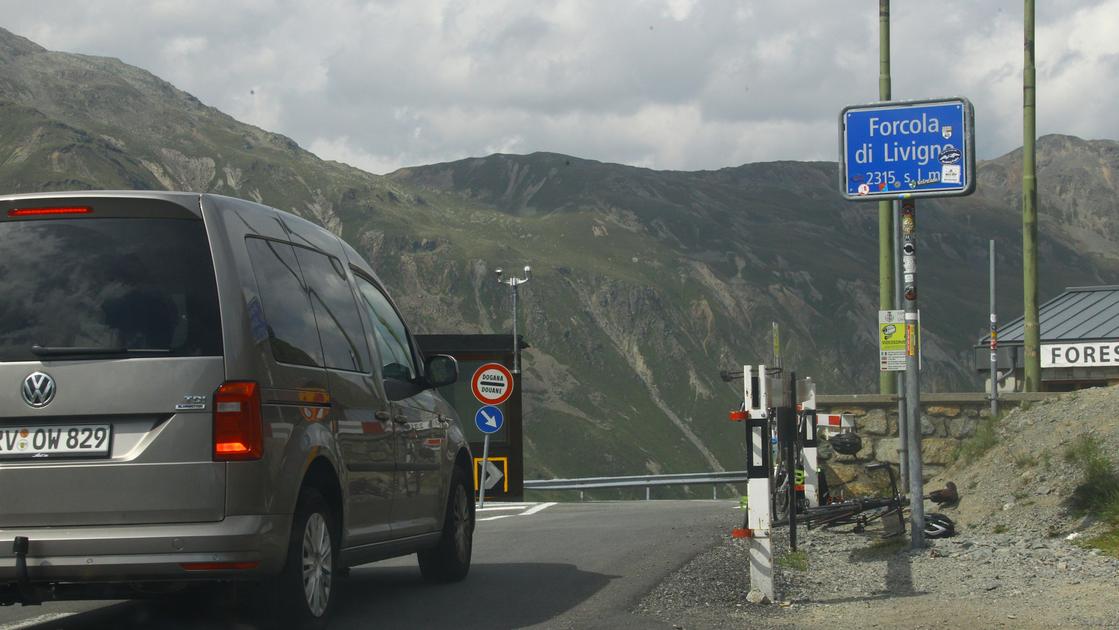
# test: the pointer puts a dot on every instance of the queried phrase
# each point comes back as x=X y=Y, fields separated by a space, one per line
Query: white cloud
x=673 y=84
x=679 y=10
x=341 y=149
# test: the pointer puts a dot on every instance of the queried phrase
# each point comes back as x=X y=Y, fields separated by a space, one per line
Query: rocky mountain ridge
x=647 y=283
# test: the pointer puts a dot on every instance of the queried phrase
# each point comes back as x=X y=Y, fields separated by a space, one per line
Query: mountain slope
x=646 y=283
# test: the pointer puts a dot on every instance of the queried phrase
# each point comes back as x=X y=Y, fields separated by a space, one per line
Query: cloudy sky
x=668 y=84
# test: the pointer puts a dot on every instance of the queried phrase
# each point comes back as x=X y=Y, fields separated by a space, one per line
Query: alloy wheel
x=318 y=562
x=461 y=524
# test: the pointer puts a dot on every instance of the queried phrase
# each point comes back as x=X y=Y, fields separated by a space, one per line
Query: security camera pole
x=513 y=283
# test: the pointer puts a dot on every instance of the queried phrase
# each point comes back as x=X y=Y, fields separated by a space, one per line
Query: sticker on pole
x=492 y=384
x=489 y=419
x=891 y=341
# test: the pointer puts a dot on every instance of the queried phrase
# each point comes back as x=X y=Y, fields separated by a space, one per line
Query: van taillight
x=237 y=422
x=35 y=212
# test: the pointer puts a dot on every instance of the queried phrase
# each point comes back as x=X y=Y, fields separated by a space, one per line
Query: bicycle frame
x=854 y=511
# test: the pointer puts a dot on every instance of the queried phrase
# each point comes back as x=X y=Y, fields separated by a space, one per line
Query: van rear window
x=108 y=286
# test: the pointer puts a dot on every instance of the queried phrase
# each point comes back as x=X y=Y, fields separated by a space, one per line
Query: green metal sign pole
x=890 y=289
x=1029 y=210
x=886 y=380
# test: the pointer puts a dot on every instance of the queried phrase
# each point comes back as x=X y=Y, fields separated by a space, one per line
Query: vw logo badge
x=38 y=389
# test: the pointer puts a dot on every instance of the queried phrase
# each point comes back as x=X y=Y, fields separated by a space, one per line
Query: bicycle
x=860 y=511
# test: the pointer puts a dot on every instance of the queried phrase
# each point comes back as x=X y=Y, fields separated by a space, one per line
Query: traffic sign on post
x=905 y=149
x=492 y=384
x=493 y=474
x=489 y=419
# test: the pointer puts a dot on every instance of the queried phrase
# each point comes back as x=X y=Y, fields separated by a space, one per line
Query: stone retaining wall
x=946 y=420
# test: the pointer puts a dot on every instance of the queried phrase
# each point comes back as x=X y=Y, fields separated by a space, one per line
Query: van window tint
x=287 y=310
x=343 y=339
x=142 y=284
x=388 y=332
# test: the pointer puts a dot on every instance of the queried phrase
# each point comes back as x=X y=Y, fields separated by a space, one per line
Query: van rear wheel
x=305 y=588
x=449 y=561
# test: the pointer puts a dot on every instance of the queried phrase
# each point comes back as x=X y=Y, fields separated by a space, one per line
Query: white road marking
x=539 y=508
x=34 y=621
x=488 y=518
x=529 y=510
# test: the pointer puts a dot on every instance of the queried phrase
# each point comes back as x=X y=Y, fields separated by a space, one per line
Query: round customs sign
x=492 y=384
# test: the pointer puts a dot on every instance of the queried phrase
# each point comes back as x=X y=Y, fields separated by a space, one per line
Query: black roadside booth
x=506 y=445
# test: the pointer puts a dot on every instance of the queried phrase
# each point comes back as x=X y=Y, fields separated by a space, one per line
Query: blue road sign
x=489 y=419
x=907 y=149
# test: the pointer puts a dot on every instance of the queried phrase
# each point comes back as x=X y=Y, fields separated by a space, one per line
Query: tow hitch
x=24 y=589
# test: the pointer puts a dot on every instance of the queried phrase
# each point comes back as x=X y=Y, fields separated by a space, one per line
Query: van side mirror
x=399 y=381
x=441 y=370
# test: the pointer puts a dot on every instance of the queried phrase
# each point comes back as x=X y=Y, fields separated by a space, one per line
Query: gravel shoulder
x=1011 y=565
x=861 y=581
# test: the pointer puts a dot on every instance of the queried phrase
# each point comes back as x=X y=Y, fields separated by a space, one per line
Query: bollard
x=758 y=517
x=810 y=454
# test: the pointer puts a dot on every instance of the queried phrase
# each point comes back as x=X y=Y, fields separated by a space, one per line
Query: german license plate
x=85 y=440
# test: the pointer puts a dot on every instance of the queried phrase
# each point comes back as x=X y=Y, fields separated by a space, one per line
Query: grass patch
x=1107 y=543
x=1000 y=529
x=1098 y=492
x=985 y=438
x=794 y=560
x=1025 y=460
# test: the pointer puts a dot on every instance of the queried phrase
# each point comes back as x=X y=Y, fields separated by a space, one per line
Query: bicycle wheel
x=781 y=494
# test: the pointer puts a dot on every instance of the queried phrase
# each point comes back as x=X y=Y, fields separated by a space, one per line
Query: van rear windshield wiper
x=77 y=351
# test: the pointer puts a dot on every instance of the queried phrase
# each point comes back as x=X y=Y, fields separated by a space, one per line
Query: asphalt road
x=566 y=565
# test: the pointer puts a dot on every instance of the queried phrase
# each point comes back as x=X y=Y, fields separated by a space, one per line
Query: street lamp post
x=513 y=283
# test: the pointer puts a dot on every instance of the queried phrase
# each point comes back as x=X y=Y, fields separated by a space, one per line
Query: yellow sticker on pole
x=891 y=340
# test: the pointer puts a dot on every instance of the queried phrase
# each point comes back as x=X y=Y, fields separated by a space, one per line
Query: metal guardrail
x=637 y=481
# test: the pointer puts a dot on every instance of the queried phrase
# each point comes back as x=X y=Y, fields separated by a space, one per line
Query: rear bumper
x=148 y=552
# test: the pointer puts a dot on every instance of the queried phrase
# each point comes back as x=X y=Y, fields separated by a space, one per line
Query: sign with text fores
x=1087 y=354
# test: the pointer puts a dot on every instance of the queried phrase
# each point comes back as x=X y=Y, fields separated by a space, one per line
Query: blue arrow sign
x=907 y=149
x=489 y=419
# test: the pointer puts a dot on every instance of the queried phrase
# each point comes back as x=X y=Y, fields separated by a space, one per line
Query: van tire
x=449 y=561
x=305 y=596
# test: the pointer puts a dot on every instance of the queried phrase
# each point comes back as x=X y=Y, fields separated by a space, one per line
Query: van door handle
x=383 y=416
